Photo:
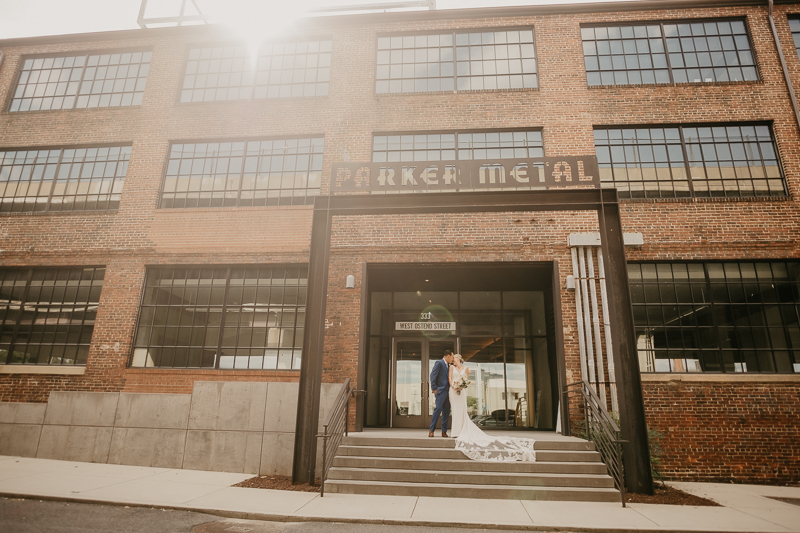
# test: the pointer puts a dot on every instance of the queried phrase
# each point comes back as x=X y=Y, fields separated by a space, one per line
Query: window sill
x=214 y=371
x=43 y=369
x=108 y=212
x=708 y=199
x=676 y=84
x=740 y=378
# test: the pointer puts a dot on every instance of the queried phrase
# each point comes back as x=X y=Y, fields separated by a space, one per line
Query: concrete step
x=468 y=465
x=438 y=442
x=404 y=451
x=507 y=492
x=562 y=456
x=517 y=479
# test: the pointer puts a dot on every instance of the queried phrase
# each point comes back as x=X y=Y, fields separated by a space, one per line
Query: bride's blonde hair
x=458 y=356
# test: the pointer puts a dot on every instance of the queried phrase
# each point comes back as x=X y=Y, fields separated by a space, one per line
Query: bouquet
x=461 y=385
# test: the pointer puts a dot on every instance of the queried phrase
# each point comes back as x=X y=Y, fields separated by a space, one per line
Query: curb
x=267 y=517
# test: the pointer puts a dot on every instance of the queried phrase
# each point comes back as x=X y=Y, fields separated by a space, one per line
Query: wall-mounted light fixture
x=570 y=282
x=351 y=282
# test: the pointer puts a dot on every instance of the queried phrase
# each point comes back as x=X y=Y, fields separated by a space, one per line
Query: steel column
x=307 y=423
x=638 y=476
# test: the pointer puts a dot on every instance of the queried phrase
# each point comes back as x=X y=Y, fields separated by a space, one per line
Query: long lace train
x=479 y=446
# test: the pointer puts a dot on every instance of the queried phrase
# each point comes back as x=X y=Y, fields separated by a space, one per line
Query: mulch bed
x=277 y=483
x=666 y=495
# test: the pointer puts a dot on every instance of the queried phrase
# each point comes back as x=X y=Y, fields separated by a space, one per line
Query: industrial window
x=243 y=173
x=683 y=161
x=222 y=317
x=794 y=25
x=452 y=146
x=717 y=317
x=80 y=81
x=47 y=314
x=62 y=179
x=668 y=52
x=456 y=61
x=278 y=71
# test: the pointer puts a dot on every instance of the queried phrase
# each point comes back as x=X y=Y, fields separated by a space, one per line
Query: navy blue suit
x=440 y=382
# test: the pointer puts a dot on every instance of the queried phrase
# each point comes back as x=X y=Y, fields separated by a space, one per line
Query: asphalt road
x=43 y=516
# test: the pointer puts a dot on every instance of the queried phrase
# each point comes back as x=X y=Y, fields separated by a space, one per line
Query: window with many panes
x=81 y=81
x=243 y=173
x=47 y=315
x=717 y=317
x=794 y=25
x=278 y=71
x=62 y=179
x=222 y=317
x=476 y=60
x=453 y=146
x=700 y=51
x=735 y=160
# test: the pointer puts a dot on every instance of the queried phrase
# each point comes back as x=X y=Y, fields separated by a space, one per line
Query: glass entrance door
x=412 y=362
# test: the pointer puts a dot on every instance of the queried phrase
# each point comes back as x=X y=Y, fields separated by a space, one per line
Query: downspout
x=783 y=64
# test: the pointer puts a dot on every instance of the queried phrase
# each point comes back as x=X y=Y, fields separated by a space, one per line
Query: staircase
x=566 y=469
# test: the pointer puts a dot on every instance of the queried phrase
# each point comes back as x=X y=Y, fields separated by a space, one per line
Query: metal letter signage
x=443 y=176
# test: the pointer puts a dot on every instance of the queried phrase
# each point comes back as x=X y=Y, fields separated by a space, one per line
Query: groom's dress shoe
x=430 y=433
x=445 y=435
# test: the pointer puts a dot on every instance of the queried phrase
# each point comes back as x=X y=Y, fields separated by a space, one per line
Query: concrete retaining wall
x=222 y=426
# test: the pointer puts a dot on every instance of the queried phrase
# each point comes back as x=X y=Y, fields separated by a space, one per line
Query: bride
x=473 y=442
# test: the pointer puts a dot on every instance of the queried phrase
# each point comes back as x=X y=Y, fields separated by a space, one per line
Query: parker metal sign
x=534 y=173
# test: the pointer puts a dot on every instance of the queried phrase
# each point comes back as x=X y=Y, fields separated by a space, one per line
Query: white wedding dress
x=476 y=444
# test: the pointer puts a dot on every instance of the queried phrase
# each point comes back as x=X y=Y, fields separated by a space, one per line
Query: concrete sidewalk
x=746 y=508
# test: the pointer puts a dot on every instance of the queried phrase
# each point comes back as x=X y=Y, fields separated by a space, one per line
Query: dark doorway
x=499 y=316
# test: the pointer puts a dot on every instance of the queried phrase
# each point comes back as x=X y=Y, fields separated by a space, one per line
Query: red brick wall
x=727 y=431
x=138 y=234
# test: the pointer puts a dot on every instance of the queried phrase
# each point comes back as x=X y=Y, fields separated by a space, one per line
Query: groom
x=440 y=384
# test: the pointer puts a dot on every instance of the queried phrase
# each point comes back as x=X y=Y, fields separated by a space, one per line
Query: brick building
x=158 y=200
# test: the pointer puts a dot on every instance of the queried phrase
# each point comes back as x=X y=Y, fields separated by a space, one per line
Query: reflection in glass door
x=410 y=390
x=413 y=361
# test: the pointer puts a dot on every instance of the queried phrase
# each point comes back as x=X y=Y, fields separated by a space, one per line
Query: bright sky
x=26 y=18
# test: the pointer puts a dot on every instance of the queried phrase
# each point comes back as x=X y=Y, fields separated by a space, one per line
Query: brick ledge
x=740 y=378
x=43 y=369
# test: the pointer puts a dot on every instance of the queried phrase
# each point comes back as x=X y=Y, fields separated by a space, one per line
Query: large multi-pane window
x=62 y=179
x=680 y=161
x=478 y=60
x=243 y=173
x=717 y=317
x=47 y=315
x=452 y=146
x=277 y=71
x=668 y=52
x=794 y=25
x=81 y=81
x=222 y=317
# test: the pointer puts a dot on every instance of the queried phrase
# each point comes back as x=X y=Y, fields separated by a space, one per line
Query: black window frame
x=252 y=72
x=794 y=27
x=455 y=61
x=707 y=313
x=135 y=100
x=668 y=66
x=49 y=206
x=194 y=351
x=44 y=325
x=456 y=148
x=280 y=200
x=692 y=190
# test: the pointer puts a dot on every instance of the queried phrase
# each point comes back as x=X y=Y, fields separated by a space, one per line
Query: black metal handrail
x=333 y=428
x=602 y=430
